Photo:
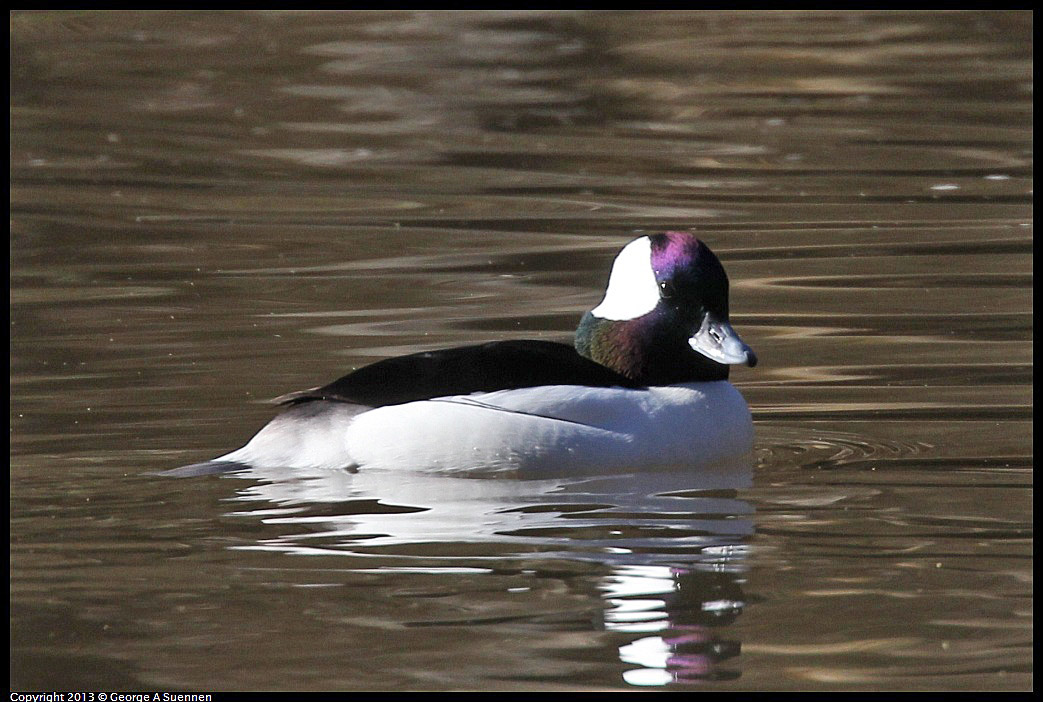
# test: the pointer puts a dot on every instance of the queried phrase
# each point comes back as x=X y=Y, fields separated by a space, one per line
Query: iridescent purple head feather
x=688 y=271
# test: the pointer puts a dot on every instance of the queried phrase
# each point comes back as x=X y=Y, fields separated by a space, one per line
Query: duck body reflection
x=665 y=549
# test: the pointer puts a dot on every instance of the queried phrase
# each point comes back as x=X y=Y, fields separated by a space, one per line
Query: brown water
x=212 y=209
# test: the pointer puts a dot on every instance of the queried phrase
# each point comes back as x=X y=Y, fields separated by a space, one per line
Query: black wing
x=498 y=365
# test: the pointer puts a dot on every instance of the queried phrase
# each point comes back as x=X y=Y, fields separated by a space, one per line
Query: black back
x=498 y=365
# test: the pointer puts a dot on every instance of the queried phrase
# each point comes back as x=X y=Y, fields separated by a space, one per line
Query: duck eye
x=666 y=289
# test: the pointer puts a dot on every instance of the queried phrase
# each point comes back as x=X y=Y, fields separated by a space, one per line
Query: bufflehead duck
x=645 y=385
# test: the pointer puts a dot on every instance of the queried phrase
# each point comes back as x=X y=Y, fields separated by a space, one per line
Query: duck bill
x=718 y=341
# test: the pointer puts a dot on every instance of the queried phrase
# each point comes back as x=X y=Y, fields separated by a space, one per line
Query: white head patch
x=632 y=287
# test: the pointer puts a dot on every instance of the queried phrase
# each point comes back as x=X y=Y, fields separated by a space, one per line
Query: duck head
x=664 y=318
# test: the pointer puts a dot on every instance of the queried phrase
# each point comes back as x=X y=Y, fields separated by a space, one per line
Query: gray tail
x=206 y=468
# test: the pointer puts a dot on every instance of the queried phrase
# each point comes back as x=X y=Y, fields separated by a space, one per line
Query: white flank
x=632 y=288
x=555 y=430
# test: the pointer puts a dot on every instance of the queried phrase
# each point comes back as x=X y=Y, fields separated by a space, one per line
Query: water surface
x=212 y=209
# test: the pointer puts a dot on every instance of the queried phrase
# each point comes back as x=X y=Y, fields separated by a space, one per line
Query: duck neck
x=645 y=351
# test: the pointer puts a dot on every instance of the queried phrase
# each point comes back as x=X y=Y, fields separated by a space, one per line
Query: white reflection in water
x=618 y=515
x=685 y=622
x=674 y=542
